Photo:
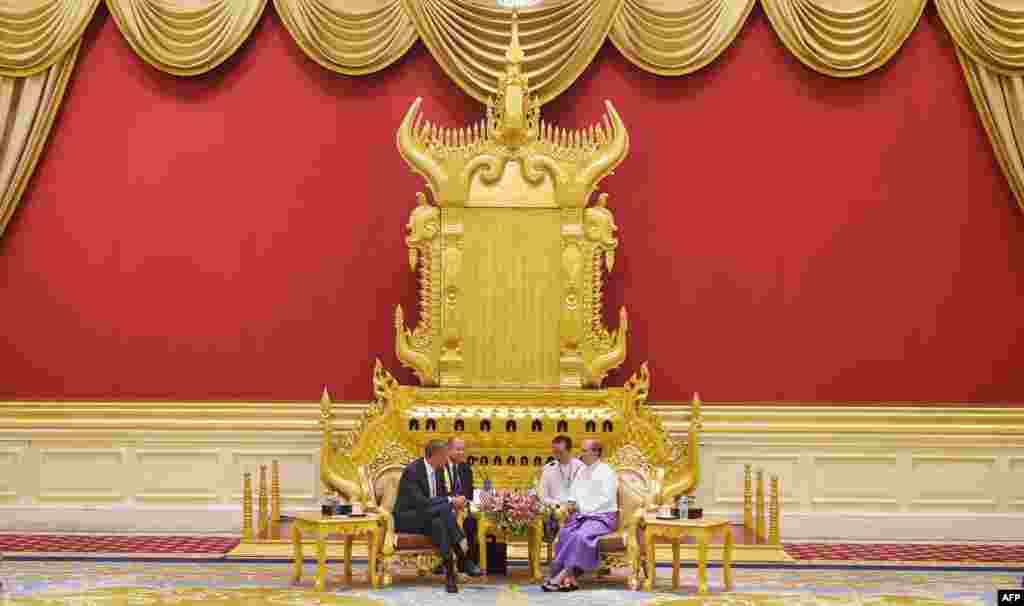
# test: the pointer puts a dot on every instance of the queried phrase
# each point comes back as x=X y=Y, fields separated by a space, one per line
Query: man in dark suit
x=458 y=476
x=423 y=506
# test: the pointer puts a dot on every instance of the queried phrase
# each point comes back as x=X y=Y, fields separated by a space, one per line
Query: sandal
x=548 y=586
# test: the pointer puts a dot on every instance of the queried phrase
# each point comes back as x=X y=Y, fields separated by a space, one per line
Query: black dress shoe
x=449 y=579
x=471 y=568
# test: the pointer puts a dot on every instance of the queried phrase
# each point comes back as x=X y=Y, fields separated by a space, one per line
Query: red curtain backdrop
x=785 y=236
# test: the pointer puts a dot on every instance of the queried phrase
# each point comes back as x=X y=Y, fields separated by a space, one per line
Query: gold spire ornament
x=760 y=526
x=773 y=513
x=275 y=500
x=247 y=533
x=263 y=503
x=748 y=498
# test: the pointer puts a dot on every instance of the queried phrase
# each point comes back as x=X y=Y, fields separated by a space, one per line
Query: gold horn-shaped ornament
x=407 y=354
x=337 y=470
x=682 y=476
x=607 y=155
x=413 y=145
x=599 y=367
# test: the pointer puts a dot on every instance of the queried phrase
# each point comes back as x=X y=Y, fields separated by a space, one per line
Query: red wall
x=785 y=236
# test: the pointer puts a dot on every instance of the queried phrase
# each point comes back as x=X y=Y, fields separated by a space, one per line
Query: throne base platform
x=748 y=549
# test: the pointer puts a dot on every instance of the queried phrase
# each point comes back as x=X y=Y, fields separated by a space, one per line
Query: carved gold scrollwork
x=423 y=228
x=606 y=350
x=337 y=469
x=408 y=355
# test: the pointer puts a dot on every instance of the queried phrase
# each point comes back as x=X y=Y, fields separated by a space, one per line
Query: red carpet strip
x=97 y=545
x=906 y=552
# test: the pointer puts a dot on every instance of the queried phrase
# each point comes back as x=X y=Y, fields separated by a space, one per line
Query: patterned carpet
x=43 y=545
x=60 y=583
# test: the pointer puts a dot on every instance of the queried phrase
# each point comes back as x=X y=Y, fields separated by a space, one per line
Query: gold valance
x=840 y=38
x=843 y=38
x=36 y=34
x=351 y=37
x=990 y=33
x=469 y=39
x=677 y=38
x=186 y=37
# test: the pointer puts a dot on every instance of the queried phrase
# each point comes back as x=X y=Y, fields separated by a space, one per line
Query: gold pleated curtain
x=989 y=39
x=838 y=38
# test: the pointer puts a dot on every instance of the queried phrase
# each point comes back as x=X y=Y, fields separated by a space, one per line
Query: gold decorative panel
x=511 y=246
x=510 y=265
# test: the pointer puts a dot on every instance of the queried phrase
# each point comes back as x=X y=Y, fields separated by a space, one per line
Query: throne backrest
x=511 y=246
x=384 y=486
x=639 y=481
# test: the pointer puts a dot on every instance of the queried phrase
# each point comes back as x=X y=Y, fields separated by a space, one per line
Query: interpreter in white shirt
x=557 y=477
x=594 y=512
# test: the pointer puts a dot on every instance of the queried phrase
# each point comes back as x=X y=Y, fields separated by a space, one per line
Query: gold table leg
x=372 y=571
x=348 y=558
x=321 y=559
x=536 y=537
x=481 y=541
x=649 y=544
x=702 y=563
x=675 y=563
x=727 y=559
x=297 y=547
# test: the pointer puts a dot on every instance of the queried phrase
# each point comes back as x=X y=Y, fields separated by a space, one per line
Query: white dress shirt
x=431 y=479
x=595 y=489
x=556 y=480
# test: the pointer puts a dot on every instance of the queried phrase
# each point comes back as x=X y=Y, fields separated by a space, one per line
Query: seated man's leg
x=469 y=527
x=443 y=515
x=440 y=537
x=581 y=548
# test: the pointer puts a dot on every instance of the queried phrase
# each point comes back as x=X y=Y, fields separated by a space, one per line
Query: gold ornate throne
x=510 y=347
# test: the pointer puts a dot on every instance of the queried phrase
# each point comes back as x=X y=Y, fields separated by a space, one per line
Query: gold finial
x=247 y=531
x=263 y=513
x=275 y=500
x=325 y=411
x=773 y=512
x=514 y=54
x=748 y=498
x=512 y=116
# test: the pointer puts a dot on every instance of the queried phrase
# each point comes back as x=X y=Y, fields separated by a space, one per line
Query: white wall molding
x=846 y=472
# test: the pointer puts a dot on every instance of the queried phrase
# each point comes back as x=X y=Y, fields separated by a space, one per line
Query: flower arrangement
x=512 y=511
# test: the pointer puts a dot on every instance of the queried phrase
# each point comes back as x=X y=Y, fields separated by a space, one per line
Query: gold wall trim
x=945 y=419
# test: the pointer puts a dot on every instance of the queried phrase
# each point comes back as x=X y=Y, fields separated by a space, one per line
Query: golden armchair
x=643 y=488
x=404 y=549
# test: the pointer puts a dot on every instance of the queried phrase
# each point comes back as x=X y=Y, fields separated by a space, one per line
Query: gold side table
x=534 y=536
x=675 y=530
x=349 y=527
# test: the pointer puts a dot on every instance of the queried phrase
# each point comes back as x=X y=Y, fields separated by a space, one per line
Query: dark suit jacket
x=464 y=485
x=413 y=504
